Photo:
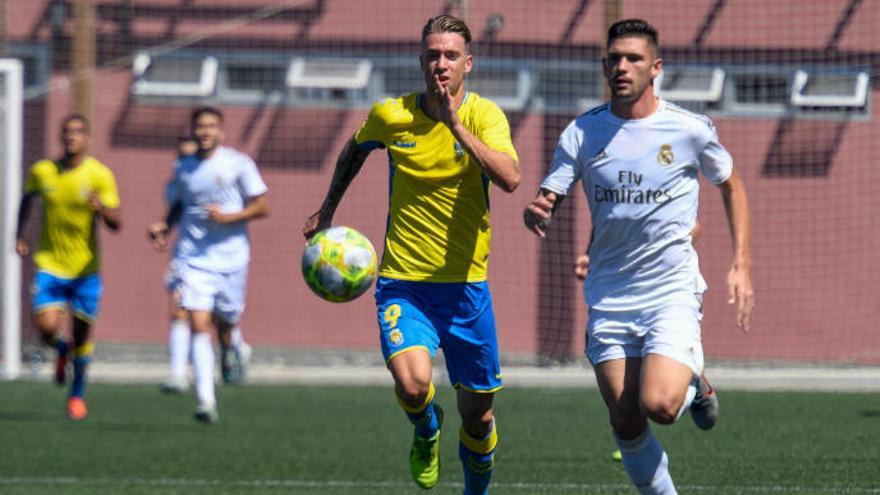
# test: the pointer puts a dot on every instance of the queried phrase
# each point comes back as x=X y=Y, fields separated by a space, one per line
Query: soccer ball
x=339 y=264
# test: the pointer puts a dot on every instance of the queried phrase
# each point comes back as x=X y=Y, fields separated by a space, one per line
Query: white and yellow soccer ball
x=339 y=264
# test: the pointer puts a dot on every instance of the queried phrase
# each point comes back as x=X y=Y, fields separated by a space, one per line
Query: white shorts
x=672 y=330
x=172 y=274
x=220 y=293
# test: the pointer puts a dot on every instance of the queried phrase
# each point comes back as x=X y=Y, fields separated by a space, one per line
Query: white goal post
x=11 y=82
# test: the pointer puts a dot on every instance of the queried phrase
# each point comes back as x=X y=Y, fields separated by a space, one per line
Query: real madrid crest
x=665 y=157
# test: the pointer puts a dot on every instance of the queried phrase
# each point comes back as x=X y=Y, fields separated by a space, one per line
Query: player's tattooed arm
x=539 y=212
x=348 y=164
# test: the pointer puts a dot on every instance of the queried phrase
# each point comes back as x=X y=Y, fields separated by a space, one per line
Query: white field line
x=525 y=487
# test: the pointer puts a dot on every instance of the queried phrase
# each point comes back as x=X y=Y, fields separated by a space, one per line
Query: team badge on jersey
x=396 y=337
x=665 y=157
x=459 y=151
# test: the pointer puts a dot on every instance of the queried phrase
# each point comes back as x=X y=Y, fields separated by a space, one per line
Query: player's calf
x=478 y=460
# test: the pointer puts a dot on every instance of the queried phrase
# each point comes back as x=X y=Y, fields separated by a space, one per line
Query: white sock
x=688 y=398
x=646 y=464
x=178 y=348
x=235 y=337
x=203 y=362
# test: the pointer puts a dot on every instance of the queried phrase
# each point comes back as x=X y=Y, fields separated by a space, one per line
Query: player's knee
x=477 y=424
x=413 y=392
x=661 y=408
x=48 y=326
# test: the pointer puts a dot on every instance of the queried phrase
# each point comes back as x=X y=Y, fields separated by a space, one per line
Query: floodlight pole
x=83 y=62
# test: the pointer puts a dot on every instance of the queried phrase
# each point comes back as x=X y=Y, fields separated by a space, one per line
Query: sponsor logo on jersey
x=598 y=157
x=404 y=144
x=665 y=156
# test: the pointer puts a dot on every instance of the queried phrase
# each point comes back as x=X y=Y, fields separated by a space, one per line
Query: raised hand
x=158 y=234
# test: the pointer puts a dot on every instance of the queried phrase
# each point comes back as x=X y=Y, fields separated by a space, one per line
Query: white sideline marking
x=590 y=487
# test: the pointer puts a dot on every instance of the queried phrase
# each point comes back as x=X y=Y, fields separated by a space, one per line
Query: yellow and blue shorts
x=455 y=316
x=83 y=294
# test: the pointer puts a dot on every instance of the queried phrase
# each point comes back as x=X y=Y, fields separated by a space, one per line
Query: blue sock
x=478 y=460
x=646 y=464
x=82 y=358
x=78 y=387
x=426 y=421
x=425 y=417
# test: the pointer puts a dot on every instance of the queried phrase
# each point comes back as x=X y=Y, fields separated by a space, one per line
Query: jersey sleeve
x=373 y=133
x=715 y=162
x=250 y=180
x=565 y=168
x=105 y=187
x=494 y=129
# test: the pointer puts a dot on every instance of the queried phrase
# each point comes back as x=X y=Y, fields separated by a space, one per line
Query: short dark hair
x=206 y=110
x=77 y=117
x=446 y=24
x=634 y=27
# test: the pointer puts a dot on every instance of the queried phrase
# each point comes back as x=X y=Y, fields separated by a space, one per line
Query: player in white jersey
x=638 y=158
x=234 y=359
x=219 y=190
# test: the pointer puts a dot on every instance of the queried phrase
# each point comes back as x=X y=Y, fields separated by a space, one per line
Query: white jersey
x=640 y=180
x=228 y=179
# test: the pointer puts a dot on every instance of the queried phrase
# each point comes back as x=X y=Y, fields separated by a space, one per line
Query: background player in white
x=220 y=190
x=638 y=158
x=234 y=359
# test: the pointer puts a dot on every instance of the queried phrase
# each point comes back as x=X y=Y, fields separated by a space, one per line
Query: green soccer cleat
x=704 y=408
x=424 y=457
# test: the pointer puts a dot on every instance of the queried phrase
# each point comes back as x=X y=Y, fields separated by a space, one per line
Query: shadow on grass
x=870 y=413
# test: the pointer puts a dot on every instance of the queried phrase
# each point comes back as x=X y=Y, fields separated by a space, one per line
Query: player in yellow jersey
x=76 y=190
x=445 y=146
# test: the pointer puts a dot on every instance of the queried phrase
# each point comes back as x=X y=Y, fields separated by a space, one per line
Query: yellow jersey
x=438 y=219
x=68 y=244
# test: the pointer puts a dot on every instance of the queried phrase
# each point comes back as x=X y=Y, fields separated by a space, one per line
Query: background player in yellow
x=445 y=146
x=76 y=190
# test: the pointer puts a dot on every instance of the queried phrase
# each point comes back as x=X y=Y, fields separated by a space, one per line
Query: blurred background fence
x=789 y=84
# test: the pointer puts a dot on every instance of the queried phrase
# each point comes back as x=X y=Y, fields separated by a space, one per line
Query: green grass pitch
x=354 y=440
